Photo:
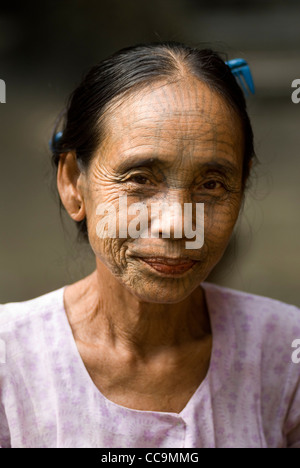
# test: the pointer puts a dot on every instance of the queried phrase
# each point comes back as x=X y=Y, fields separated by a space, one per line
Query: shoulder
x=261 y=329
x=258 y=335
x=23 y=321
x=270 y=315
x=12 y=312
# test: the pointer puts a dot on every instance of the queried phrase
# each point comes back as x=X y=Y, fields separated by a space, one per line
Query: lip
x=169 y=266
x=169 y=260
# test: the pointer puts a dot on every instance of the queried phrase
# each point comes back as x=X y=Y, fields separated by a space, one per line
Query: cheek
x=109 y=249
x=220 y=219
x=111 y=252
x=105 y=244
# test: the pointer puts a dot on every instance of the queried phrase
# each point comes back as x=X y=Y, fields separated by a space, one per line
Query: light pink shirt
x=249 y=398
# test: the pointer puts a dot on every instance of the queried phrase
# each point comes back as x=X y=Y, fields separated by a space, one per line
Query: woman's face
x=168 y=143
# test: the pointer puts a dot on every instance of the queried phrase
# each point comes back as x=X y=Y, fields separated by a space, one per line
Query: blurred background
x=46 y=47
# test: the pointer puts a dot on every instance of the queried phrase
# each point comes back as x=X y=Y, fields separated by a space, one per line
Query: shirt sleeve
x=4 y=429
x=294 y=437
x=292 y=427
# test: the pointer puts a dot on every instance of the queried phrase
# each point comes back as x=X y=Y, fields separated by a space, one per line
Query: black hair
x=129 y=69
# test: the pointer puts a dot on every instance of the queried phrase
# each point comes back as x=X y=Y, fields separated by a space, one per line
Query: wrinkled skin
x=185 y=128
x=125 y=307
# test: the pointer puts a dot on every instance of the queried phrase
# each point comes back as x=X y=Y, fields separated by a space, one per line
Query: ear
x=69 y=187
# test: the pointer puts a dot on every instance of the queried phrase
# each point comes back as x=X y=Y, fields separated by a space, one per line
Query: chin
x=163 y=293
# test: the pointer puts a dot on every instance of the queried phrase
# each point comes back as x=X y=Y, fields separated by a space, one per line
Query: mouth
x=169 y=266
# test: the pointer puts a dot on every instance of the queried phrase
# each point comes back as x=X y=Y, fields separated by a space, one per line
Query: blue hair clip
x=56 y=139
x=240 y=69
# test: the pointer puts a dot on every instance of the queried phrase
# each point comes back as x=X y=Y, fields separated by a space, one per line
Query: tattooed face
x=177 y=142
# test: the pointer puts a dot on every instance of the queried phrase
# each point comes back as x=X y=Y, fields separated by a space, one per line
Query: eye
x=139 y=179
x=212 y=185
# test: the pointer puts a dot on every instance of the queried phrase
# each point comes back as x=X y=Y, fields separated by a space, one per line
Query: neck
x=101 y=310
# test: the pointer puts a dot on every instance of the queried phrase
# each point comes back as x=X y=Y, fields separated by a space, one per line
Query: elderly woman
x=143 y=352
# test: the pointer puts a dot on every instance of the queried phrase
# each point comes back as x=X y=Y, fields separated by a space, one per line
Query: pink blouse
x=250 y=396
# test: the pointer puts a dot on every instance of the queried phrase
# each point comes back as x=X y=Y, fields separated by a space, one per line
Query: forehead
x=179 y=121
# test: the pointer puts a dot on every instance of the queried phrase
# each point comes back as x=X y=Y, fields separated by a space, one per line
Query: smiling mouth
x=171 y=266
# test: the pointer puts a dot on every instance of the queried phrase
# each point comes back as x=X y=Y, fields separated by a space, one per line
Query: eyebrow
x=216 y=164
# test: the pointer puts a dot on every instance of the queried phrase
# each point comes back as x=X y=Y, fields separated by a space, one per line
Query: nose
x=171 y=215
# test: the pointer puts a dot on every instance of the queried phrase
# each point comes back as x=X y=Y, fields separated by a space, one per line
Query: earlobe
x=68 y=178
x=79 y=214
